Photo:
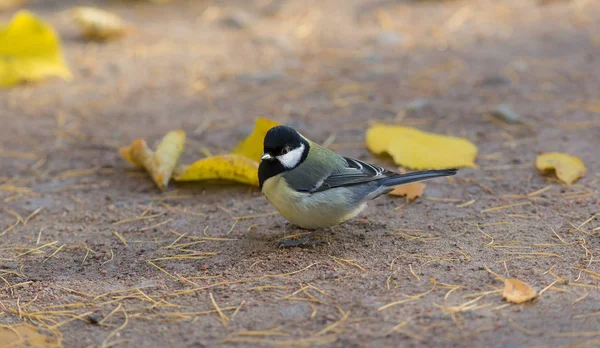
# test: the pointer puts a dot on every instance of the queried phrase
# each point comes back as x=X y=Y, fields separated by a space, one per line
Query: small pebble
x=239 y=19
x=418 y=105
x=388 y=38
x=506 y=114
x=94 y=318
x=9 y=265
x=298 y=311
x=494 y=81
x=262 y=77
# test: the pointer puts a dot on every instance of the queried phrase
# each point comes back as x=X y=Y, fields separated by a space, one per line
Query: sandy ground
x=103 y=244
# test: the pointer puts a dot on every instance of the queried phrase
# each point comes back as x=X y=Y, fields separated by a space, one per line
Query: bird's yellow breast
x=310 y=210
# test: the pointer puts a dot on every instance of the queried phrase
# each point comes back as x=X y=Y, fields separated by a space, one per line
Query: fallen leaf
x=240 y=166
x=379 y=137
x=515 y=291
x=160 y=163
x=252 y=146
x=227 y=167
x=411 y=191
x=417 y=149
x=97 y=24
x=132 y=156
x=30 y=51
x=24 y=335
x=568 y=168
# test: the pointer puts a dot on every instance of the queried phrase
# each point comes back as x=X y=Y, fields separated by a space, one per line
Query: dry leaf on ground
x=227 y=167
x=160 y=163
x=411 y=191
x=241 y=165
x=417 y=149
x=515 y=291
x=24 y=335
x=30 y=50
x=568 y=168
x=97 y=24
x=252 y=146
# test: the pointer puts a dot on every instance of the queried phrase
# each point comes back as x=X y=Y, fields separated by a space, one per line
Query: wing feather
x=354 y=172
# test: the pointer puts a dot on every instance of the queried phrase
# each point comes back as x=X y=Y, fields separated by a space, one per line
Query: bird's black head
x=284 y=149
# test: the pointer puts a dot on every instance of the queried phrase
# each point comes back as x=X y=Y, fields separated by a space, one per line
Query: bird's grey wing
x=354 y=172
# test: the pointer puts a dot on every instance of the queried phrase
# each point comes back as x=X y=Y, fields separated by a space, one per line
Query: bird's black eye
x=285 y=150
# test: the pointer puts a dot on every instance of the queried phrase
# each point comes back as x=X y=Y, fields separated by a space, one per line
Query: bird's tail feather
x=402 y=179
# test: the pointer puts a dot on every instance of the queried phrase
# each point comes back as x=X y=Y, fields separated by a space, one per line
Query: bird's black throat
x=277 y=140
x=268 y=169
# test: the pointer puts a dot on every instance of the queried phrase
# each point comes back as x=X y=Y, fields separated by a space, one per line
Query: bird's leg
x=304 y=241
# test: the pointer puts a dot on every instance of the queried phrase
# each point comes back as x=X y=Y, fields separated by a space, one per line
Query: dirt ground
x=100 y=257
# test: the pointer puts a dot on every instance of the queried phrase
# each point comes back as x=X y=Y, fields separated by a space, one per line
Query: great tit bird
x=313 y=187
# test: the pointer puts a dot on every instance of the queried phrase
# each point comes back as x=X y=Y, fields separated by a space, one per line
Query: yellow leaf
x=241 y=165
x=97 y=24
x=227 y=167
x=515 y=291
x=30 y=51
x=127 y=152
x=568 y=168
x=416 y=149
x=160 y=163
x=380 y=136
x=411 y=191
x=252 y=146
x=24 y=335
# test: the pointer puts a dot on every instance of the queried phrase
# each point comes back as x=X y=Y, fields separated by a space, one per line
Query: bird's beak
x=266 y=157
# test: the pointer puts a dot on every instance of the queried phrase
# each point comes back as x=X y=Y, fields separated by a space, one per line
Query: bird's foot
x=304 y=241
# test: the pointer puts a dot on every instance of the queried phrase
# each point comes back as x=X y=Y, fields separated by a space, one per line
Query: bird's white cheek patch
x=292 y=158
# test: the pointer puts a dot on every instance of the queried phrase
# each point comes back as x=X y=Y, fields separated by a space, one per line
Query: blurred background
x=207 y=65
x=515 y=77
